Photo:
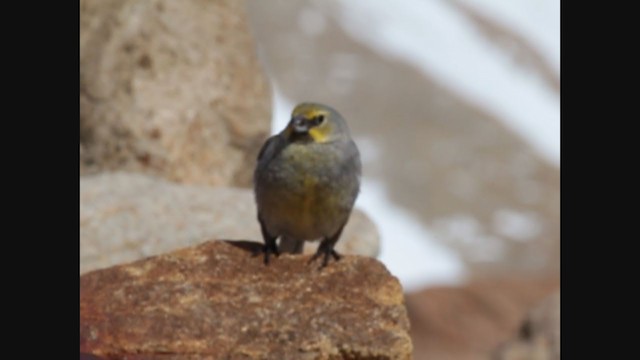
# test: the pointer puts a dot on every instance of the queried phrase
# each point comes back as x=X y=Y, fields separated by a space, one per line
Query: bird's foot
x=326 y=252
x=269 y=249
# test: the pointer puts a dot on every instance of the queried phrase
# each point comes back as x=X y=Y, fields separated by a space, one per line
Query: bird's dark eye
x=319 y=119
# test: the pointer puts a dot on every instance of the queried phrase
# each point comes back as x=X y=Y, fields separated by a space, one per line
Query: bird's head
x=316 y=122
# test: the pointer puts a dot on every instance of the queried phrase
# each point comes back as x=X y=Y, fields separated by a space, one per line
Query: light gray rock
x=126 y=216
x=171 y=88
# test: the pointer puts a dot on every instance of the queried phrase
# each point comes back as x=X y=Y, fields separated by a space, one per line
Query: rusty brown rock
x=219 y=301
x=471 y=322
x=171 y=88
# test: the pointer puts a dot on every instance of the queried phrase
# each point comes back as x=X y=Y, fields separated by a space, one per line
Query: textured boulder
x=171 y=88
x=472 y=321
x=218 y=300
x=539 y=336
x=125 y=217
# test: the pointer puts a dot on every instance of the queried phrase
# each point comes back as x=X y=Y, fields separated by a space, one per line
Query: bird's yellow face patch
x=318 y=134
x=311 y=120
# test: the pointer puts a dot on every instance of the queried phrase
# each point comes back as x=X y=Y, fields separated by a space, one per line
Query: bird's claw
x=268 y=250
x=326 y=252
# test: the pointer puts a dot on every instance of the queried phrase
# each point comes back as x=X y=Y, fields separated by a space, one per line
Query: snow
x=437 y=39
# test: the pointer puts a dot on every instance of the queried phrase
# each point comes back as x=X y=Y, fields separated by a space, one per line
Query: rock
x=472 y=321
x=219 y=301
x=126 y=217
x=539 y=335
x=171 y=88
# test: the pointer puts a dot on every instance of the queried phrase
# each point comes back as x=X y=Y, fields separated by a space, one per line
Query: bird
x=306 y=181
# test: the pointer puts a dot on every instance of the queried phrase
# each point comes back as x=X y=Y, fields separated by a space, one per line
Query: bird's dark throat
x=300 y=137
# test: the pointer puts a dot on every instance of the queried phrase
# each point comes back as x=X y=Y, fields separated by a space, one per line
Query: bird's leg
x=326 y=248
x=270 y=246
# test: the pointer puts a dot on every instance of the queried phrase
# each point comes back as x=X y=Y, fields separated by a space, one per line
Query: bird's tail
x=291 y=245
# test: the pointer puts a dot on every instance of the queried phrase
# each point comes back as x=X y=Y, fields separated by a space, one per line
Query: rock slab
x=126 y=217
x=219 y=301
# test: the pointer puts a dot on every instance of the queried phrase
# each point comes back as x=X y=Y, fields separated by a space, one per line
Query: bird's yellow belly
x=303 y=194
x=309 y=214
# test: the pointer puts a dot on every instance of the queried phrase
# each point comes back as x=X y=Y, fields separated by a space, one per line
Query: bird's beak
x=300 y=124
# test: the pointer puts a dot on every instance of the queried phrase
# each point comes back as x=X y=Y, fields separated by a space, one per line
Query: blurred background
x=454 y=105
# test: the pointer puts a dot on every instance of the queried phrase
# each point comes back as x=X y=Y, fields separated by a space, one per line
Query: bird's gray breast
x=308 y=190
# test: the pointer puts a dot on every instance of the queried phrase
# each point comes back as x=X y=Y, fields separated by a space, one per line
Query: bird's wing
x=270 y=149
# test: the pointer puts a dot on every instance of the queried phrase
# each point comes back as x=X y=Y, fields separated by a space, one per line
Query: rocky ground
x=487 y=319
